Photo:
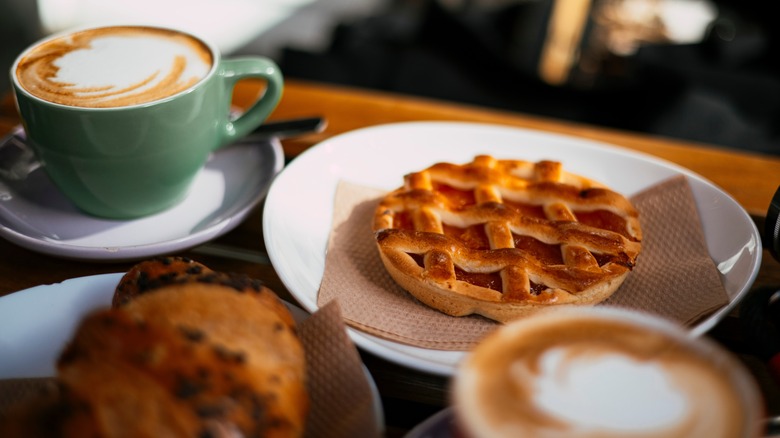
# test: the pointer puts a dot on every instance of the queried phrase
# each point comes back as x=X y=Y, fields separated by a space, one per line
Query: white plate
x=299 y=206
x=36 y=323
x=36 y=216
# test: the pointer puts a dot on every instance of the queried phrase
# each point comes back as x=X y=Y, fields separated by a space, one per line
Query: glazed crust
x=506 y=238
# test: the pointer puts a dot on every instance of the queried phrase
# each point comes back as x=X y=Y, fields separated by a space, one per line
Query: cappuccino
x=113 y=66
x=602 y=373
x=124 y=118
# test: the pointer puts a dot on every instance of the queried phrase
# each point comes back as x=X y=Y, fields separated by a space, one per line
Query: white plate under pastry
x=298 y=210
x=35 y=215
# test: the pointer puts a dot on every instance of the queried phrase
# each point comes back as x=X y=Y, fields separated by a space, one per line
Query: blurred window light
x=227 y=23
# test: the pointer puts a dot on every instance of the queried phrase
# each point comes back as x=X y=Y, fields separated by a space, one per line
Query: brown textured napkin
x=674 y=277
x=341 y=398
x=342 y=403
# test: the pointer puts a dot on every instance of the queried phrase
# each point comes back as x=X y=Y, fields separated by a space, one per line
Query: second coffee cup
x=603 y=372
x=124 y=117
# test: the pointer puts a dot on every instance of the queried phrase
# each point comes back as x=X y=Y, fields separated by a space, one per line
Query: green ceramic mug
x=124 y=117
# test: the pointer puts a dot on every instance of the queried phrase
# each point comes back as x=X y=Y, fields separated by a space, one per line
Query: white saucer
x=36 y=216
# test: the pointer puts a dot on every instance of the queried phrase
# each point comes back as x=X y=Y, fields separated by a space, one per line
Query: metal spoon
x=17 y=159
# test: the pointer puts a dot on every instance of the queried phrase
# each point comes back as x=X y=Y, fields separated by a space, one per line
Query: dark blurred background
x=700 y=70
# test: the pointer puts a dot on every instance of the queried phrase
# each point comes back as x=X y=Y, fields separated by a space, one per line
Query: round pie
x=506 y=238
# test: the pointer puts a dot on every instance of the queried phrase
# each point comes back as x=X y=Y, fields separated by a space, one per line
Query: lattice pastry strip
x=503 y=238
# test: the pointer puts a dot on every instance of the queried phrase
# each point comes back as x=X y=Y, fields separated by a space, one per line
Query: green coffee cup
x=124 y=117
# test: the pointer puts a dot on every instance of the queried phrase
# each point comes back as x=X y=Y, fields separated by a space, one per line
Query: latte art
x=565 y=381
x=588 y=377
x=113 y=67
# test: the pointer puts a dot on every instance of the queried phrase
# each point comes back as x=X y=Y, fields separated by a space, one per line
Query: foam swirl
x=594 y=378
x=113 y=67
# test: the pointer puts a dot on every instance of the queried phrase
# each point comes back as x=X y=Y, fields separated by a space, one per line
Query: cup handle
x=233 y=70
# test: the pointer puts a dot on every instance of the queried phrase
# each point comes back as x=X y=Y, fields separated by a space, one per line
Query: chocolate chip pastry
x=185 y=351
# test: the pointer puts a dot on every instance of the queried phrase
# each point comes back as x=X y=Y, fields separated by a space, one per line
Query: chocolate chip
x=194 y=270
x=192 y=334
x=187 y=388
x=229 y=356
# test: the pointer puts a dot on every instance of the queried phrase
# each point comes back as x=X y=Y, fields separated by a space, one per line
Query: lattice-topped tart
x=505 y=238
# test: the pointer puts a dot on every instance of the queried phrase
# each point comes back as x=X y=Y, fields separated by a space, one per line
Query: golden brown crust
x=505 y=238
x=240 y=325
x=155 y=273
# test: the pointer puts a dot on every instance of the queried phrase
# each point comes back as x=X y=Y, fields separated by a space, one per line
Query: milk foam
x=118 y=67
x=608 y=376
x=108 y=64
x=605 y=391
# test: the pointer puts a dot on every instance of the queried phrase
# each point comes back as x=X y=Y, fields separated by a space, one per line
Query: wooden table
x=410 y=396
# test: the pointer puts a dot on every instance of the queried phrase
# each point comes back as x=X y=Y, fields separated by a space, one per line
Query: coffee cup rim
x=637 y=318
x=215 y=56
x=738 y=373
